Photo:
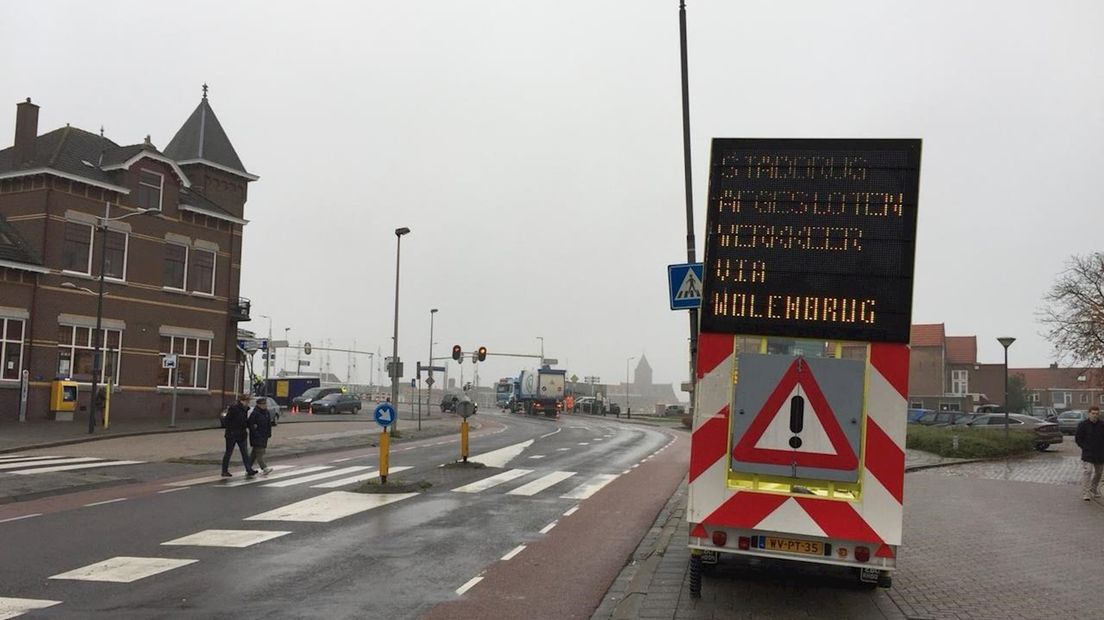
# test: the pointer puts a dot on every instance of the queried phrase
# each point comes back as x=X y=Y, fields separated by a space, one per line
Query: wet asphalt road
x=398 y=560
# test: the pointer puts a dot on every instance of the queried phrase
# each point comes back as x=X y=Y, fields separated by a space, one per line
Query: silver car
x=1068 y=420
x=273 y=406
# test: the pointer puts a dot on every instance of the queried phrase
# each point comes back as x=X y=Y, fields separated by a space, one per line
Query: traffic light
x=456 y=352
x=482 y=353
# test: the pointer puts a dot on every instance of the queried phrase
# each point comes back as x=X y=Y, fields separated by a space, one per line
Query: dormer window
x=149 y=189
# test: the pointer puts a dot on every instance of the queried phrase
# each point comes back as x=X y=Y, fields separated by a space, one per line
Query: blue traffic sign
x=685 y=284
x=385 y=414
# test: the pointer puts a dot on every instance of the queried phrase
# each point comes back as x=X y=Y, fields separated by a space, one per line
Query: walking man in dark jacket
x=260 y=430
x=1090 y=438
x=236 y=424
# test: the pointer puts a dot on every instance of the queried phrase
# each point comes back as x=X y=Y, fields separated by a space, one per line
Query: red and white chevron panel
x=876 y=518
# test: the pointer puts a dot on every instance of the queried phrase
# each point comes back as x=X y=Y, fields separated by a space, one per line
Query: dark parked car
x=304 y=400
x=945 y=418
x=674 y=410
x=1068 y=420
x=336 y=403
x=1045 y=433
x=1043 y=413
x=588 y=404
x=448 y=403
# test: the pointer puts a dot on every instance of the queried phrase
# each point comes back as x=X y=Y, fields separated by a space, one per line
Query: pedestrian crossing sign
x=685 y=284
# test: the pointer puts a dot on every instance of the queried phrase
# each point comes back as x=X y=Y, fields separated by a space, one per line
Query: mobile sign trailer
x=798 y=445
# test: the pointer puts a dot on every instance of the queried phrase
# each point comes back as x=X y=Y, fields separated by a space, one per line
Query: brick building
x=171 y=276
x=1062 y=388
x=944 y=373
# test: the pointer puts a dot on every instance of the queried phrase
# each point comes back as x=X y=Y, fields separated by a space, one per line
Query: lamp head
x=1006 y=341
x=401 y=231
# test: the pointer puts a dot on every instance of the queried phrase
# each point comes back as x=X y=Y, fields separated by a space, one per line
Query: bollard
x=695 y=573
x=385 y=448
x=954 y=443
x=464 y=440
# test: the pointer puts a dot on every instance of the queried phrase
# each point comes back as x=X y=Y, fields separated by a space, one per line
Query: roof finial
x=148 y=140
x=205 y=90
x=101 y=131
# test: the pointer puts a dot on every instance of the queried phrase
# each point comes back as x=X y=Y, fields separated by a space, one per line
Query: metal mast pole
x=691 y=253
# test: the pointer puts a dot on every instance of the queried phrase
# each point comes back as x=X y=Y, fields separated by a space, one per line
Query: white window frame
x=91 y=247
x=1067 y=398
x=126 y=252
x=214 y=270
x=104 y=351
x=1034 y=397
x=177 y=345
x=960 y=378
x=1102 y=399
x=1086 y=398
x=4 y=342
x=160 y=187
x=184 y=280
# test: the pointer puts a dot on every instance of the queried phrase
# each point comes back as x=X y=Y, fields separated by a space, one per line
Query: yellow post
x=385 y=448
x=464 y=440
x=107 y=407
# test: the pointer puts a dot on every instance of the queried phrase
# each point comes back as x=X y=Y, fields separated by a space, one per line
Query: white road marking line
x=625 y=472
x=502 y=456
x=214 y=478
x=12 y=458
x=349 y=458
x=290 y=482
x=329 y=507
x=172 y=490
x=550 y=434
x=56 y=461
x=493 y=481
x=597 y=439
x=542 y=483
x=584 y=443
x=635 y=466
x=227 y=538
x=9 y=519
x=47 y=470
x=570 y=511
x=123 y=569
x=590 y=487
x=12 y=607
x=468 y=586
x=333 y=484
x=509 y=556
x=106 y=501
x=548 y=528
x=537 y=456
x=562 y=449
x=286 y=474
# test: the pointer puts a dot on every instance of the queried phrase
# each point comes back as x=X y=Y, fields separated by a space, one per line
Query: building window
x=1034 y=397
x=1065 y=398
x=115 y=252
x=193 y=361
x=916 y=405
x=960 y=382
x=76 y=250
x=176 y=265
x=1085 y=398
x=11 y=348
x=149 y=189
x=1102 y=399
x=203 y=271
x=75 y=349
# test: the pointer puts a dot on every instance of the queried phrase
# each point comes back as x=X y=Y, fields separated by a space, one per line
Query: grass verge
x=972 y=443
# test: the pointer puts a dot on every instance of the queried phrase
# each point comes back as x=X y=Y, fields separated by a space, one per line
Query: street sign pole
x=175 y=380
x=24 y=384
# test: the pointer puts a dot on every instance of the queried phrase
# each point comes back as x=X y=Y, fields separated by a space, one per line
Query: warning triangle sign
x=796 y=427
x=690 y=288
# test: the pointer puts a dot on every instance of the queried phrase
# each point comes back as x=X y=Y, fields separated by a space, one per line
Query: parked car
x=304 y=400
x=915 y=414
x=945 y=418
x=614 y=409
x=448 y=403
x=336 y=403
x=1068 y=420
x=586 y=404
x=1043 y=413
x=1045 y=433
x=674 y=410
x=273 y=406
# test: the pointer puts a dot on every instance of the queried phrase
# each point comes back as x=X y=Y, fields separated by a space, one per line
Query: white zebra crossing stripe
x=12 y=607
x=226 y=538
x=260 y=479
x=213 y=478
x=542 y=483
x=502 y=456
x=22 y=457
x=330 y=507
x=290 y=482
x=56 y=461
x=493 y=481
x=124 y=569
x=333 y=484
x=47 y=470
x=590 y=487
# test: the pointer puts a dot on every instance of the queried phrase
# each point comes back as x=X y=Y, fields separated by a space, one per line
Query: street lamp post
x=399 y=232
x=287 y=332
x=267 y=352
x=97 y=362
x=429 y=373
x=628 y=403
x=541 y=338
x=1006 y=341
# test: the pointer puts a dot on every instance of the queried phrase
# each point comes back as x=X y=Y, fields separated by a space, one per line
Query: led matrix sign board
x=811 y=238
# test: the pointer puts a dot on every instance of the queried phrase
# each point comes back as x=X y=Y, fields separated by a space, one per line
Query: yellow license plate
x=790 y=545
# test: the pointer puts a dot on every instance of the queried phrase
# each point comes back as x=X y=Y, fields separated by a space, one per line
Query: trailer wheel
x=695 y=573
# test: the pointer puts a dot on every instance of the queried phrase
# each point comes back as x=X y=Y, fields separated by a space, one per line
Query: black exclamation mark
x=797 y=420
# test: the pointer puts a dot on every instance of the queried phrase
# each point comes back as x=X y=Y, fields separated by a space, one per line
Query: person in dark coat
x=1090 y=438
x=236 y=424
x=260 y=430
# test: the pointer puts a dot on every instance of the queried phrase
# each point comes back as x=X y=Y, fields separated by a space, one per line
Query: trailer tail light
x=862 y=554
x=720 y=538
x=744 y=543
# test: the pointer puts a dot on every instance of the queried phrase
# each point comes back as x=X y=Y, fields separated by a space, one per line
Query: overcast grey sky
x=534 y=148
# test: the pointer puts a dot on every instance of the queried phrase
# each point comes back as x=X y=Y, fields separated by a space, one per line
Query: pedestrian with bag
x=1090 y=438
x=260 y=430
x=237 y=423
